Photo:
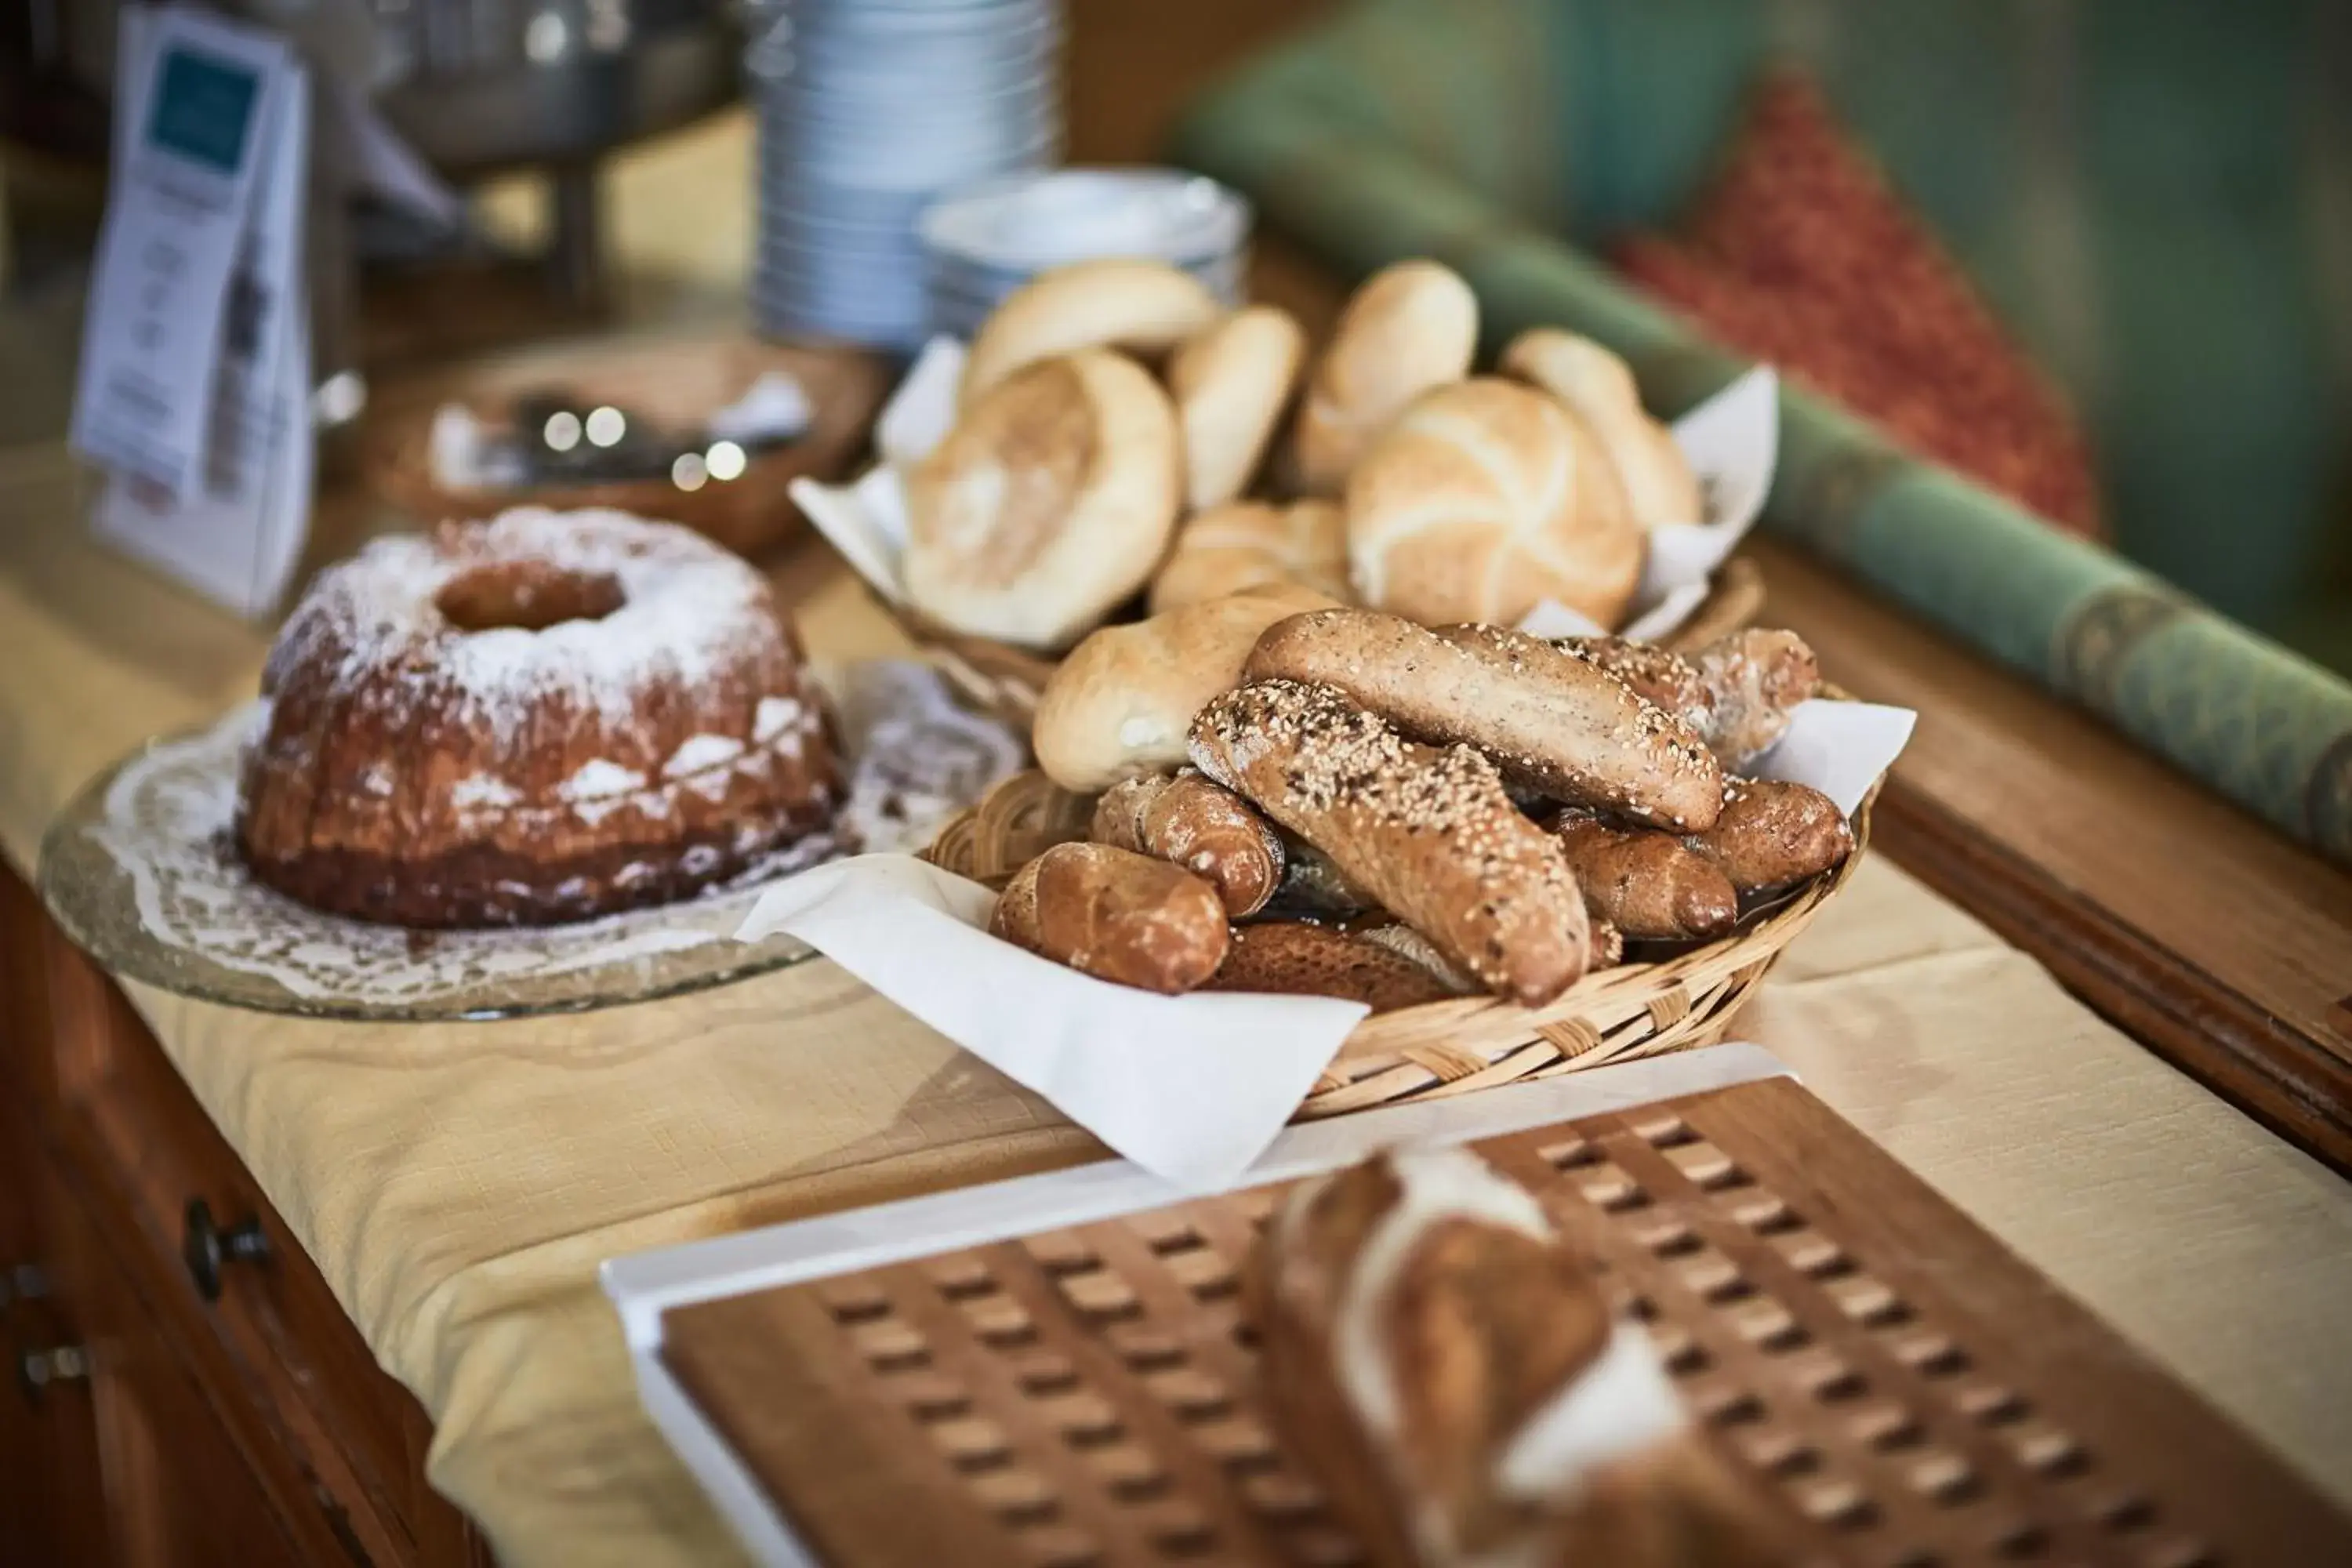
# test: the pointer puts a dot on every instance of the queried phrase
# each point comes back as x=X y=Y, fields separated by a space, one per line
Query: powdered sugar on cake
x=690 y=611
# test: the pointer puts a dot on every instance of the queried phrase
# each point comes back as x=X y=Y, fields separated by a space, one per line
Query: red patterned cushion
x=1801 y=254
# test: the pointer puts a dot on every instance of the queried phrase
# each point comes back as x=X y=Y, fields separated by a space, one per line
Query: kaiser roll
x=1484 y=499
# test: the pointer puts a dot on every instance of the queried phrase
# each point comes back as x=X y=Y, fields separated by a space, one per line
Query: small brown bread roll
x=1549 y=720
x=1050 y=501
x=1117 y=916
x=1428 y=833
x=1738 y=692
x=1754 y=680
x=1771 y=833
x=1599 y=389
x=1230 y=384
x=1300 y=958
x=1248 y=544
x=1648 y=883
x=1608 y=947
x=1145 y=307
x=1484 y=500
x=1444 y=1365
x=1409 y=328
x=1121 y=705
x=1210 y=831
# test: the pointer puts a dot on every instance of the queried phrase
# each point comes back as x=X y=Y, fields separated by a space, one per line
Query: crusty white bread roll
x=1121 y=704
x=1203 y=826
x=1230 y=382
x=1549 y=720
x=1300 y=958
x=1145 y=307
x=1115 y=915
x=1599 y=389
x=1247 y=544
x=1430 y=834
x=1481 y=501
x=1445 y=1363
x=1050 y=501
x=1411 y=327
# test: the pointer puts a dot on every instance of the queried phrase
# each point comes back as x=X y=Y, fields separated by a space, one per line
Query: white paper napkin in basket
x=1191 y=1087
x=1731 y=440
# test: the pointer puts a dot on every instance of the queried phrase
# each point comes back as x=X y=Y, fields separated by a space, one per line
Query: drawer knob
x=36 y=1371
x=207 y=1248
x=22 y=1282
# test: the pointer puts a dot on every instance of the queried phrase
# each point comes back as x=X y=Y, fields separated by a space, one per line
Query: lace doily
x=140 y=871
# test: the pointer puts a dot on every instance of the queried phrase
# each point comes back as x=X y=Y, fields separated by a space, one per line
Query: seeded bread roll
x=1209 y=830
x=1143 y=307
x=1738 y=692
x=1409 y=328
x=1428 y=833
x=1650 y=884
x=1599 y=389
x=1117 y=916
x=1300 y=958
x=1050 y=501
x=1550 y=721
x=1772 y=832
x=1251 y=544
x=1230 y=382
x=1121 y=705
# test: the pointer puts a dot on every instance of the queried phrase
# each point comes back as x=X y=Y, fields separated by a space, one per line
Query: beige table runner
x=458 y=1184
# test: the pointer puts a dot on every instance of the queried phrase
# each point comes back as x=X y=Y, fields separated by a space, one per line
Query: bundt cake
x=541 y=718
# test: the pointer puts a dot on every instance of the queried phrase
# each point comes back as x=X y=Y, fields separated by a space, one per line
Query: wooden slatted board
x=1911 y=1391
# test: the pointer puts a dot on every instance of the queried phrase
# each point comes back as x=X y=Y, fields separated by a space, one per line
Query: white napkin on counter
x=1191 y=1087
x=1731 y=440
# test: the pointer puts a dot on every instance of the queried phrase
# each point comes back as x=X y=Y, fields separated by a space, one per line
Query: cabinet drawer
x=226 y=1265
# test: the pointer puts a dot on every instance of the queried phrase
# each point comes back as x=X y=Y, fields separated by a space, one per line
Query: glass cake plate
x=139 y=872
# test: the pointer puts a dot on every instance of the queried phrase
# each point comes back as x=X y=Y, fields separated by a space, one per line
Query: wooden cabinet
x=202 y=1398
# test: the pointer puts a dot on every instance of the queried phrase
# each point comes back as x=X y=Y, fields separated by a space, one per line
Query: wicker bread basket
x=1472 y=1042
x=1005 y=680
x=676 y=382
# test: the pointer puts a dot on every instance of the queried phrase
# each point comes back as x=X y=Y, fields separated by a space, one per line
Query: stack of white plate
x=867 y=109
x=984 y=241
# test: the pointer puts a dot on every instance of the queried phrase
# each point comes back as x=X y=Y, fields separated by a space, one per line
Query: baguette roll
x=1121 y=705
x=1202 y=827
x=1409 y=328
x=1429 y=833
x=1139 y=306
x=1230 y=384
x=1115 y=915
x=1300 y=958
x=1648 y=884
x=1551 y=721
x=1772 y=832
